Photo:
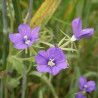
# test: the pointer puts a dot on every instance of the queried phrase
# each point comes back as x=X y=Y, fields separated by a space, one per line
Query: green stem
x=43 y=77
x=5 y=33
x=25 y=63
x=65 y=44
x=24 y=82
x=50 y=77
x=34 y=51
x=25 y=73
x=12 y=25
x=29 y=68
x=5 y=44
x=61 y=41
x=30 y=11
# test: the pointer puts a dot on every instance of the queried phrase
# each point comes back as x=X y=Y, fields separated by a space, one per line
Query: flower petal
x=80 y=95
x=56 y=54
x=15 y=38
x=42 y=57
x=82 y=82
x=55 y=70
x=77 y=26
x=91 y=86
x=25 y=30
x=62 y=65
x=20 y=46
x=35 y=32
x=43 y=53
x=44 y=68
x=86 y=33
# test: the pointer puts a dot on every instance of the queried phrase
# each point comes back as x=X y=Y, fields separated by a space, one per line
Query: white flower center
x=73 y=38
x=27 y=41
x=25 y=37
x=85 y=86
x=51 y=63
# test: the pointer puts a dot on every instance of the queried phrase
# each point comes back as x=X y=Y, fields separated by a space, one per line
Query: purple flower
x=51 y=61
x=25 y=38
x=80 y=95
x=78 y=33
x=86 y=86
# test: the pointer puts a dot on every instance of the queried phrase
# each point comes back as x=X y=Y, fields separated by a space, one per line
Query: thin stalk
x=33 y=51
x=12 y=24
x=30 y=11
x=29 y=68
x=64 y=45
x=25 y=55
x=50 y=77
x=5 y=44
x=61 y=41
x=5 y=33
x=24 y=82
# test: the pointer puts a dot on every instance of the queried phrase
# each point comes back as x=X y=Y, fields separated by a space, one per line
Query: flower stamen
x=51 y=63
x=27 y=42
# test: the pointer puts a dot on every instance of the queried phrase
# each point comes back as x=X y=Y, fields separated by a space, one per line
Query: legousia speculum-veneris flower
x=54 y=60
x=25 y=38
x=78 y=33
x=85 y=86
x=51 y=61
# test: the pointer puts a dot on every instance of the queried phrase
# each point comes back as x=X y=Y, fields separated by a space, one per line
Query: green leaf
x=17 y=64
x=69 y=49
x=47 y=44
x=44 y=13
x=17 y=11
x=13 y=83
x=89 y=74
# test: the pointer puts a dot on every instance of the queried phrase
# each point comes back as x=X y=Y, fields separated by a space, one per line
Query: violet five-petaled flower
x=86 y=86
x=51 y=61
x=25 y=38
x=80 y=95
x=78 y=33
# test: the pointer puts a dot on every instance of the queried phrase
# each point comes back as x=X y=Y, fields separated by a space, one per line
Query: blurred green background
x=84 y=63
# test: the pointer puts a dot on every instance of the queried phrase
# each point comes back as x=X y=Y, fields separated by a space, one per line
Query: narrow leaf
x=44 y=13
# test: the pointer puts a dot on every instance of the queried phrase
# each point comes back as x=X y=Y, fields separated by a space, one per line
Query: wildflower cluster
x=54 y=60
x=85 y=87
